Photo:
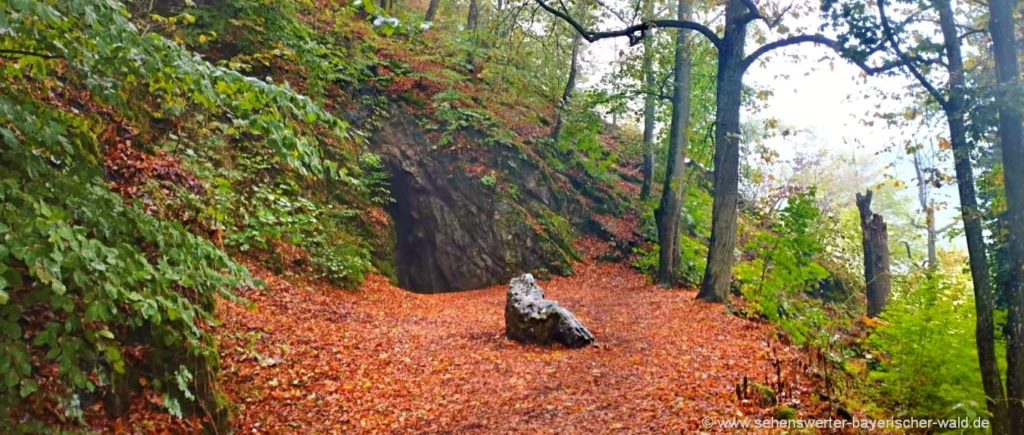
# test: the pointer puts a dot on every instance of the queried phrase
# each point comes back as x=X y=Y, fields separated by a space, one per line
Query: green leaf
x=28 y=387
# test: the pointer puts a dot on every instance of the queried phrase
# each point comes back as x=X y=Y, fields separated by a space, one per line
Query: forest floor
x=310 y=358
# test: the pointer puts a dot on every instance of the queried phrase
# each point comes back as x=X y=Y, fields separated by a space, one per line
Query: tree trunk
x=933 y=235
x=432 y=9
x=718 y=275
x=473 y=15
x=877 y=275
x=1011 y=139
x=668 y=212
x=928 y=207
x=984 y=300
x=570 y=86
x=649 y=105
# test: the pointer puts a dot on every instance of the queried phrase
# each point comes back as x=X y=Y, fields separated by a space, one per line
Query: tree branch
x=909 y=255
x=972 y=32
x=753 y=13
x=946 y=228
x=612 y=11
x=636 y=32
x=22 y=53
x=887 y=30
x=820 y=40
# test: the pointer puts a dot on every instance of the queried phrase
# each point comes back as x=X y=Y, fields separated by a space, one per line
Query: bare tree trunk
x=432 y=9
x=928 y=207
x=473 y=15
x=1011 y=139
x=668 y=212
x=649 y=105
x=570 y=86
x=877 y=275
x=984 y=300
x=718 y=275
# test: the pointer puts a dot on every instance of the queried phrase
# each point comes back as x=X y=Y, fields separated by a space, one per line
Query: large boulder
x=529 y=318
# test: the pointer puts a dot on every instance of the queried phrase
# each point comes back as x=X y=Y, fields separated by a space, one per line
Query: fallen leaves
x=383 y=360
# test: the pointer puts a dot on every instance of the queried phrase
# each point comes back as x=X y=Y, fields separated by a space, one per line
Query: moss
x=413 y=100
x=764 y=395
x=785 y=413
x=559 y=231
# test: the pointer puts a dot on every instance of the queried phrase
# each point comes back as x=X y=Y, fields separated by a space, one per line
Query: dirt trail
x=321 y=360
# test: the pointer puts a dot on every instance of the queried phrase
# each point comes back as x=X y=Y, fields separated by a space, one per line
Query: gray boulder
x=529 y=318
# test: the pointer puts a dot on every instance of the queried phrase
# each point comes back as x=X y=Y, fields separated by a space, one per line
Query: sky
x=828 y=101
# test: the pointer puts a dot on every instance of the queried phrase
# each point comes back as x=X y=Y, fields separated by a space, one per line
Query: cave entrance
x=446 y=238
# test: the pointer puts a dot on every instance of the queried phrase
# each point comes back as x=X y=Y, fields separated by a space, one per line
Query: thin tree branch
x=887 y=30
x=636 y=32
x=972 y=32
x=612 y=11
x=22 y=53
x=946 y=228
x=820 y=40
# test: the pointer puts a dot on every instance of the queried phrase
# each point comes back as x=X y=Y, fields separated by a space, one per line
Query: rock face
x=529 y=318
x=457 y=231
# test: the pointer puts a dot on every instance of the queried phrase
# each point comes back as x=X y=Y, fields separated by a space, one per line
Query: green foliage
x=104 y=269
x=274 y=215
x=695 y=231
x=267 y=34
x=449 y=118
x=926 y=358
x=785 y=413
x=646 y=259
x=83 y=273
x=783 y=266
x=580 y=140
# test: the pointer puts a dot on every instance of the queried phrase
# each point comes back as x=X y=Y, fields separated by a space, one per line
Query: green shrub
x=783 y=268
x=926 y=361
x=86 y=274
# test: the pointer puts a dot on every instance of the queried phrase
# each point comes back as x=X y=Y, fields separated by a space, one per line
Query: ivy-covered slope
x=480 y=190
x=144 y=144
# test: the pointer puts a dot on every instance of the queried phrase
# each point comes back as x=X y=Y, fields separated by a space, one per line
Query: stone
x=529 y=318
x=454 y=232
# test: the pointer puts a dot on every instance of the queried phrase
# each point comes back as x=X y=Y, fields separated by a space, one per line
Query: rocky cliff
x=457 y=228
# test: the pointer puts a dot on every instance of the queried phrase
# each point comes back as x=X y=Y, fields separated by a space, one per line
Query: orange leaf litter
x=309 y=358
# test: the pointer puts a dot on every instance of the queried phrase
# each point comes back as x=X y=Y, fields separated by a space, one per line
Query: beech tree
x=733 y=62
x=1011 y=143
x=570 y=86
x=650 y=101
x=667 y=214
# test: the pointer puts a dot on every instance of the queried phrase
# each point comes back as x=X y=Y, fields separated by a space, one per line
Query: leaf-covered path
x=320 y=360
